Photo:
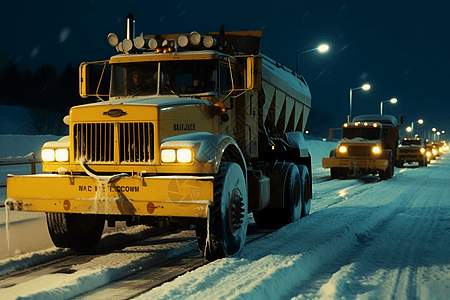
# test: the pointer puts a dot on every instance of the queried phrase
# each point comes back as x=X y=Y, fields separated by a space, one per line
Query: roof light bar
x=195 y=38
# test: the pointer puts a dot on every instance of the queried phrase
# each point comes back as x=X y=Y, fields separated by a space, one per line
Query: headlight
x=342 y=149
x=422 y=150
x=428 y=153
x=176 y=155
x=184 y=155
x=376 y=150
x=434 y=151
x=62 y=155
x=48 y=155
x=168 y=155
x=55 y=155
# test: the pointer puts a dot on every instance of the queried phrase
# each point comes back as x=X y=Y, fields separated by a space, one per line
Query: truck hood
x=154 y=101
x=359 y=140
x=132 y=109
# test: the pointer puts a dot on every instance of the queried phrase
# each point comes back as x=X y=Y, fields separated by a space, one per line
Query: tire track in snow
x=390 y=253
x=292 y=254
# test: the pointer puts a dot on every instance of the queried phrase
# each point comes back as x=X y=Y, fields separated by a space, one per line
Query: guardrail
x=32 y=164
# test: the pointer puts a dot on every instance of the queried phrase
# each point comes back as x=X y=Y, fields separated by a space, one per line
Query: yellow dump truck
x=368 y=146
x=412 y=150
x=197 y=128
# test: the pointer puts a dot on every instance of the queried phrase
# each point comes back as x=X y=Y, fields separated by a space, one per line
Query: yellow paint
x=180 y=196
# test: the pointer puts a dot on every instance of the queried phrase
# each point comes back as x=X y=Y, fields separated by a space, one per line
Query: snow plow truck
x=368 y=146
x=199 y=128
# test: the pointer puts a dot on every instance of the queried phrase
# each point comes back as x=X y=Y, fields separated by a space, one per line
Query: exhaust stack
x=130 y=27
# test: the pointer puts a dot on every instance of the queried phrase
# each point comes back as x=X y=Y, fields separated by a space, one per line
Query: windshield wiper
x=172 y=91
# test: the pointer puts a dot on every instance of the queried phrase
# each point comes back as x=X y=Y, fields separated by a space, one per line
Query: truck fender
x=209 y=148
x=62 y=142
x=297 y=141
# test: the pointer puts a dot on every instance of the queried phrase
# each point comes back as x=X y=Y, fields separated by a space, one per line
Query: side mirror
x=91 y=75
x=254 y=73
x=83 y=83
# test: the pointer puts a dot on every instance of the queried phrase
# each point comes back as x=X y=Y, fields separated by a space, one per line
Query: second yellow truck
x=368 y=146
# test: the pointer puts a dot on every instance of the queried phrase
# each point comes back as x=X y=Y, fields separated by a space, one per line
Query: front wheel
x=223 y=233
x=76 y=231
x=389 y=172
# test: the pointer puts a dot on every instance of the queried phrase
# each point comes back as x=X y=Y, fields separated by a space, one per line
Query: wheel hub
x=236 y=210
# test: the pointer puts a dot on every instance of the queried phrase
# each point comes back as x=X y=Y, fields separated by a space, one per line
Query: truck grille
x=95 y=142
x=409 y=151
x=359 y=150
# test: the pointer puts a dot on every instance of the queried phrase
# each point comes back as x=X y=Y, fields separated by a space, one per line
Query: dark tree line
x=47 y=94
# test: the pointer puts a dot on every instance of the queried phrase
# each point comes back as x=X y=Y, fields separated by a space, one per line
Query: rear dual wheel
x=296 y=194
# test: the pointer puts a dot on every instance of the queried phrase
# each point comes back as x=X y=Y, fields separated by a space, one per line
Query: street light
x=365 y=87
x=411 y=128
x=322 y=48
x=393 y=100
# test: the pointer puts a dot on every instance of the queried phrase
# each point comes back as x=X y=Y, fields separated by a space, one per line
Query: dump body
x=368 y=146
x=180 y=128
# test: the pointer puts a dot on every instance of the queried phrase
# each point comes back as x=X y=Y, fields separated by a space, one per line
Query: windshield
x=365 y=133
x=163 y=78
x=411 y=142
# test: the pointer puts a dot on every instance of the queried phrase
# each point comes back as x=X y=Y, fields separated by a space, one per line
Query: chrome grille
x=409 y=150
x=95 y=142
x=136 y=142
x=359 y=150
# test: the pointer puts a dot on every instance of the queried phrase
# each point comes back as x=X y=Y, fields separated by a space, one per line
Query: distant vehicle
x=412 y=150
x=432 y=151
x=441 y=147
x=368 y=146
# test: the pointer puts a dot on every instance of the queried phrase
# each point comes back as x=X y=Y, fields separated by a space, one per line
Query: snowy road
x=364 y=239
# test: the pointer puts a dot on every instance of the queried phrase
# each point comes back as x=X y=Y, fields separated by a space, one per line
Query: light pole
x=393 y=100
x=365 y=87
x=322 y=48
x=411 y=128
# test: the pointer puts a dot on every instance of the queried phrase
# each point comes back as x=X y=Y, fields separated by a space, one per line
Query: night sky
x=401 y=48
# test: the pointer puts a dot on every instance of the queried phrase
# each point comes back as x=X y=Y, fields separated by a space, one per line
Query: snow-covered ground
x=364 y=239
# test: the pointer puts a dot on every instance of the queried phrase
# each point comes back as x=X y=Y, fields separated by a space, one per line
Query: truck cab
x=368 y=146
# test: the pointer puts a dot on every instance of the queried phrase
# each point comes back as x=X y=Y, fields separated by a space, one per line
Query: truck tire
x=76 y=231
x=399 y=163
x=293 y=195
x=223 y=233
x=306 y=190
x=335 y=173
x=423 y=162
x=389 y=172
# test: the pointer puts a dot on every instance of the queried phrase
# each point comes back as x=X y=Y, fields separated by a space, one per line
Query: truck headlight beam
x=48 y=155
x=62 y=155
x=376 y=150
x=168 y=155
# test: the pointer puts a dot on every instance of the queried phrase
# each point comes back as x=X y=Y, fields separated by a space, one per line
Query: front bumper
x=410 y=157
x=177 y=196
x=355 y=163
